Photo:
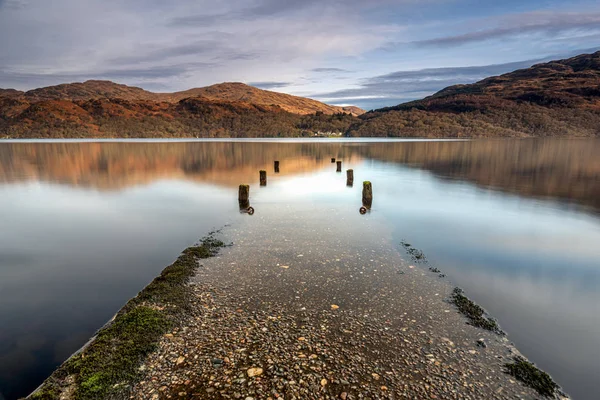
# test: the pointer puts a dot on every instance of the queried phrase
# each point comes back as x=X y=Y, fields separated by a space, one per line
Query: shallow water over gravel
x=86 y=225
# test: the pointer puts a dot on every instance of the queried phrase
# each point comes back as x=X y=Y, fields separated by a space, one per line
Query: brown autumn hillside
x=96 y=89
x=190 y=117
x=235 y=91
x=558 y=98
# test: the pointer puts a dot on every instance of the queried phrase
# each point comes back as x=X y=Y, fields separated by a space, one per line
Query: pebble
x=254 y=372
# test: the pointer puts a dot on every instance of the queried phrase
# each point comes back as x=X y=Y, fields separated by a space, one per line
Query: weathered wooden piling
x=244 y=193
x=339 y=166
x=333 y=160
x=276 y=166
x=350 y=177
x=263 y=178
x=367 y=194
x=244 y=196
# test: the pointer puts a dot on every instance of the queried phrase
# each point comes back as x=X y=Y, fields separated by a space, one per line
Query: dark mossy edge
x=415 y=254
x=476 y=315
x=532 y=376
x=109 y=365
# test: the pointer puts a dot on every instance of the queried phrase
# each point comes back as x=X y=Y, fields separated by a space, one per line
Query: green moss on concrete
x=111 y=361
x=474 y=312
x=109 y=366
x=47 y=392
x=532 y=376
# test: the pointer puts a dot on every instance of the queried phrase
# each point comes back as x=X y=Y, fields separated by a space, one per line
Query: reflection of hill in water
x=567 y=169
x=559 y=168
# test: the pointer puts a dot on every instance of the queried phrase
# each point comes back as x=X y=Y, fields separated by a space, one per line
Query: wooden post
x=350 y=177
x=276 y=167
x=263 y=178
x=333 y=160
x=339 y=166
x=244 y=196
x=367 y=194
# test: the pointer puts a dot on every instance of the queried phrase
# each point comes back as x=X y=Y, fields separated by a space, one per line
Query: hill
x=558 y=98
x=97 y=89
x=190 y=117
x=235 y=91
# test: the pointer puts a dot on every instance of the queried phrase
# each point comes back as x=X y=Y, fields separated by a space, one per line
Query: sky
x=369 y=53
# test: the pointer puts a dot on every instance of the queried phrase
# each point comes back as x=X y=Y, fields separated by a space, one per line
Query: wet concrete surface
x=311 y=305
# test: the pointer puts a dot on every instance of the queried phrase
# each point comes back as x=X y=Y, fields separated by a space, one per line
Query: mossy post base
x=263 y=178
x=367 y=194
x=349 y=177
x=333 y=160
x=339 y=166
x=276 y=166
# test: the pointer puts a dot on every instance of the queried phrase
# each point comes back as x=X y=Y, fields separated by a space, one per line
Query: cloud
x=14 y=4
x=519 y=24
x=262 y=9
x=166 y=53
x=142 y=75
x=106 y=39
x=330 y=70
x=270 y=85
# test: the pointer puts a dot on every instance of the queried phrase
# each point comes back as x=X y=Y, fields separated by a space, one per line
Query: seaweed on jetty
x=107 y=367
x=532 y=376
x=416 y=254
x=474 y=312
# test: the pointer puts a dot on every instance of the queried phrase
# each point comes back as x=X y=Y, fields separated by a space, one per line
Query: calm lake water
x=86 y=225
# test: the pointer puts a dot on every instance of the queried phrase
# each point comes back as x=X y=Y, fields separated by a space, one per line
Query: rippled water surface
x=85 y=226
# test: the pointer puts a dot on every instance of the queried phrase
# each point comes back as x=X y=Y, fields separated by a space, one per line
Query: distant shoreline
x=260 y=140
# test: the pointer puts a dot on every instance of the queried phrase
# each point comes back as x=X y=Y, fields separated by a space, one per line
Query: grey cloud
x=329 y=70
x=14 y=4
x=8 y=78
x=268 y=8
x=197 y=20
x=520 y=24
x=58 y=42
x=264 y=8
x=214 y=50
x=198 y=47
x=269 y=85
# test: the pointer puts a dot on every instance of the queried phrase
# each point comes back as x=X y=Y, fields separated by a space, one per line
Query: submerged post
x=367 y=194
x=339 y=166
x=276 y=167
x=263 y=178
x=244 y=196
x=350 y=177
x=332 y=160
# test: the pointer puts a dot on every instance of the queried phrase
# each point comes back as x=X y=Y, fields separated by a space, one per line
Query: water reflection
x=556 y=168
x=87 y=225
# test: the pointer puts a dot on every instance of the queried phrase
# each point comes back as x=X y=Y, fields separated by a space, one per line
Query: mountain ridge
x=226 y=91
x=556 y=98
